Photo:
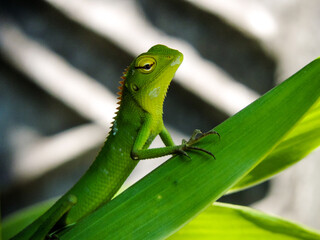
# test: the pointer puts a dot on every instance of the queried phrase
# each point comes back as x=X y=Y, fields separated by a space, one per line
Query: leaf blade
x=228 y=222
x=304 y=138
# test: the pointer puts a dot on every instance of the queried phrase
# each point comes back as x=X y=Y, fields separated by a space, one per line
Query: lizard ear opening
x=134 y=87
x=145 y=64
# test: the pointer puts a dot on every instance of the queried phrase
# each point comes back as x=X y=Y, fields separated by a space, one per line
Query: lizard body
x=137 y=123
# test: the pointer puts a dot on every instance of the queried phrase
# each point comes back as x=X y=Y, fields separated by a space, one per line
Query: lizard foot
x=195 y=137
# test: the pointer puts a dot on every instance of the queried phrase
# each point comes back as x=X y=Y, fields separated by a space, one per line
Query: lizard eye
x=145 y=64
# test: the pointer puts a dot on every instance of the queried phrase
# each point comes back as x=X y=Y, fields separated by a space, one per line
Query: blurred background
x=61 y=61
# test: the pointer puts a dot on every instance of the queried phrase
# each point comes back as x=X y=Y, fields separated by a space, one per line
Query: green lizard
x=137 y=123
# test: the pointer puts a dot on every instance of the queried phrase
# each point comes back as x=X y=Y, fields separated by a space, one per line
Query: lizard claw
x=197 y=135
x=213 y=132
x=202 y=150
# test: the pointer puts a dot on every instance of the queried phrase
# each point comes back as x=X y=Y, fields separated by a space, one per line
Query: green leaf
x=304 y=138
x=166 y=199
x=229 y=222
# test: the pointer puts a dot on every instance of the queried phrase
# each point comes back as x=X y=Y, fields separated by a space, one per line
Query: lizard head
x=149 y=76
